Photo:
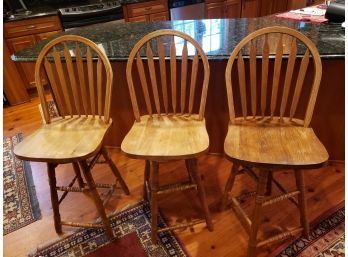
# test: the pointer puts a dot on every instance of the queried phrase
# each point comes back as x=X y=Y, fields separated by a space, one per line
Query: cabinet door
x=250 y=9
x=280 y=6
x=162 y=16
x=138 y=18
x=19 y=43
x=232 y=9
x=14 y=86
x=266 y=7
x=214 y=10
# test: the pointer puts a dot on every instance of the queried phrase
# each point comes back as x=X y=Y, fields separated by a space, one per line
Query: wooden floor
x=325 y=190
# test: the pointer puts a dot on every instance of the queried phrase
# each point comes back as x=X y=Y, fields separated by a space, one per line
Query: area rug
x=132 y=238
x=21 y=206
x=326 y=239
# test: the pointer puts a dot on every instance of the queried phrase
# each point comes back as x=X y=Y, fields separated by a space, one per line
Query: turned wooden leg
x=269 y=183
x=154 y=201
x=255 y=222
x=302 y=202
x=229 y=185
x=201 y=193
x=78 y=175
x=96 y=197
x=146 y=179
x=54 y=196
x=187 y=164
x=115 y=171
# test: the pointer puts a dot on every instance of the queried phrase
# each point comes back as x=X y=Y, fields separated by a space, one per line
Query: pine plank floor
x=325 y=190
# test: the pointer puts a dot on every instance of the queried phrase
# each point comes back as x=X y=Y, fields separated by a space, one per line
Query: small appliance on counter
x=186 y=9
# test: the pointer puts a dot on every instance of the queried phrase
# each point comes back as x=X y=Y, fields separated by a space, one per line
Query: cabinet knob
x=31 y=27
x=148 y=8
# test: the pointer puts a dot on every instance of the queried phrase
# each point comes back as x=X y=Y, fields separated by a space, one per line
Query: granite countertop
x=218 y=37
x=45 y=9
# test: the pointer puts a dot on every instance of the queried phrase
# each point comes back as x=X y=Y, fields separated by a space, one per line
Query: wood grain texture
x=82 y=138
x=274 y=145
x=166 y=138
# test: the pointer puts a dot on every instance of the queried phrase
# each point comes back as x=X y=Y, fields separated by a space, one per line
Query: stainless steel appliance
x=90 y=14
x=186 y=9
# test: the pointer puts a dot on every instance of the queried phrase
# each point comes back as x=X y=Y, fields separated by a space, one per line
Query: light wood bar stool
x=83 y=102
x=267 y=132
x=171 y=129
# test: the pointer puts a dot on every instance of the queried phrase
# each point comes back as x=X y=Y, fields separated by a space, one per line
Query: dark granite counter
x=218 y=37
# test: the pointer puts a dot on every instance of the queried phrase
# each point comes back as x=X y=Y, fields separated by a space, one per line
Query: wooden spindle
x=152 y=72
x=173 y=72
x=183 y=76
x=253 y=77
x=71 y=74
x=143 y=83
x=288 y=76
x=54 y=87
x=82 y=82
x=61 y=76
x=276 y=74
x=193 y=81
x=299 y=83
x=99 y=86
x=91 y=80
x=241 y=79
x=264 y=79
x=163 y=73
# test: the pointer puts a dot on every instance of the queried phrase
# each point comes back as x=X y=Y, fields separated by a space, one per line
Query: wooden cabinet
x=24 y=33
x=156 y=10
x=232 y=9
x=215 y=10
x=222 y=9
x=250 y=8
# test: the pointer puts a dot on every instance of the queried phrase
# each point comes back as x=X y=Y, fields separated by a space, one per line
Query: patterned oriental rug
x=131 y=229
x=21 y=206
x=326 y=239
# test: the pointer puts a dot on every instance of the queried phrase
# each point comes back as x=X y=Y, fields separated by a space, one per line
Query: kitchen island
x=218 y=37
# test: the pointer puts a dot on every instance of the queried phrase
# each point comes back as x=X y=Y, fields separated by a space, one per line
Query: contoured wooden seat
x=167 y=124
x=267 y=131
x=83 y=102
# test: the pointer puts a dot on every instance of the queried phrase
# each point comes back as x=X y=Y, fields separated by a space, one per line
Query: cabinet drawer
x=146 y=8
x=31 y=26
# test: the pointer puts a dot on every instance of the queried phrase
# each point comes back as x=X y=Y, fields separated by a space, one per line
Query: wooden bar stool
x=261 y=137
x=170 y=130
x=83 y=102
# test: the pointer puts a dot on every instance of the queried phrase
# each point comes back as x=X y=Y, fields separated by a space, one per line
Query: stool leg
x=154 y=201
x=302 y=201
x=229 y=185
x=255 y=222
x=201 y=193
x=78 y=175
x=54 y=196
x=269 y=183
x=146 y=179
x=187 y=164
x=96 y=198
x=115 y=171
